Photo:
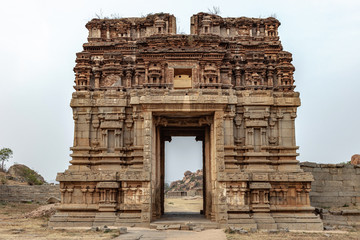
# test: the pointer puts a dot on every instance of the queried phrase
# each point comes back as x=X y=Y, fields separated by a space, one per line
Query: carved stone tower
x=229 y=83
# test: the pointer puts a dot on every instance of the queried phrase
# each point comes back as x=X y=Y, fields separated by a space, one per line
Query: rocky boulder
x=190 y=181
x=355 y=159
x=22 y=173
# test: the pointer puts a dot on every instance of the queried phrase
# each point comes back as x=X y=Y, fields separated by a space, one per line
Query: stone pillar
x=146 y=81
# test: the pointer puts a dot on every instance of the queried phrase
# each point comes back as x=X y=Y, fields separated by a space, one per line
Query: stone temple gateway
x=229 y=83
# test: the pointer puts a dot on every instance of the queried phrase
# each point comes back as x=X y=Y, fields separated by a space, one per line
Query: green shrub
x=3 y=180
x=31 y=177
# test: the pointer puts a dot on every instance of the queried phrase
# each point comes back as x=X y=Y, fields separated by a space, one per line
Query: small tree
x=5 y=154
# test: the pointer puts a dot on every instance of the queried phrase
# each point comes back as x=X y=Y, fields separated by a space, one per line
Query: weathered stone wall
x=335 y=185
x=38 y=193
x=350 y=217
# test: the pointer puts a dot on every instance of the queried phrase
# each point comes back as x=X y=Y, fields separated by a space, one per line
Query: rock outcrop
x=190 y=181
x=22 y=173
x=355 y=159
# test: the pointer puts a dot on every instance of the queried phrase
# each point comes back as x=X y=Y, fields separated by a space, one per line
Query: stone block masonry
x=335 y=185
x=38 y=193
x=229 y=84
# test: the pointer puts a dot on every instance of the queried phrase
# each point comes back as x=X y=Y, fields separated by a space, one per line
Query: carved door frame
x=163 y=131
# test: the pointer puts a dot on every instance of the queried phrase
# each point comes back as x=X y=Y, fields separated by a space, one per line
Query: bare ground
x=333 y=235
x=14 y=225
x=188 y=204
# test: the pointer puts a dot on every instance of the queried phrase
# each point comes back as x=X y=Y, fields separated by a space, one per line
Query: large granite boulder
x=355 y=159
x=22 y=173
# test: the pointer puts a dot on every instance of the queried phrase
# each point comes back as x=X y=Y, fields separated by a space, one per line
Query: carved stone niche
x=66 y=194
x=112 y=80
x=236 y=195
x=108 y=195
x=260 y=194
x=132 y=193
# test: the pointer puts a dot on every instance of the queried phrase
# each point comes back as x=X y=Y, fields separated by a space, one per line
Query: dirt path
x=151 y=234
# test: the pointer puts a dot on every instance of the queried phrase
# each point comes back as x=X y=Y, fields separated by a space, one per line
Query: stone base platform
x=183 y=221
x=186 y=221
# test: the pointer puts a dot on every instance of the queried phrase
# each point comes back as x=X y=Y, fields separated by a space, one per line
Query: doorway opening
x=173 y=127
x=183 y=186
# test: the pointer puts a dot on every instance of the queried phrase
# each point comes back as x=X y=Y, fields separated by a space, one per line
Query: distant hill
x=19 y=174
x=190 y=181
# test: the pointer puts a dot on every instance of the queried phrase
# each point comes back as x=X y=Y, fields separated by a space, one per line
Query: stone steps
x=183 y=222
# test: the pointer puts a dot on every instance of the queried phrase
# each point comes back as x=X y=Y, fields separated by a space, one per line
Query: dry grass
x=296 y=236
x=15 y=226
x=190 y=205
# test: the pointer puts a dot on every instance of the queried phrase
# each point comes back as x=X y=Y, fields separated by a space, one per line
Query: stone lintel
x=260 y=185
x=111 y=124
x=272 y=177
x=97 y=176
x=98 y=102
x=107 y=185
x=256 y=123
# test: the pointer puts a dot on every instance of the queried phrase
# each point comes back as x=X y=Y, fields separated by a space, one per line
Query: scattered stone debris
x=95 y=229
x=174 y=227
x=52 y=200
x=328 y=228
x=238 y=230
x=161 y=227
x=42 y=211
x=122 y=230
x=198 y=229
x=284 y=230
x=273 y=231
x=17 y=231
x=253 y=230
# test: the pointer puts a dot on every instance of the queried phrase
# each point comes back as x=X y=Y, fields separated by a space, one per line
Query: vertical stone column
x=202 y=66
x=76 y=118
x=97 y=80
x=146 y=203
x=88 y=122
x=149 y=193
x=219 y=166
x=146 y=72
x=162 y=80
x=238 y=76
x=229 y=127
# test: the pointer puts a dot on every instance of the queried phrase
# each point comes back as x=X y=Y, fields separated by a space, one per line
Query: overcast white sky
x=39 y=40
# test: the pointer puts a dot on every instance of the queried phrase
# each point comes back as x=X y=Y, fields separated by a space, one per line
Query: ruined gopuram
x=229 y=83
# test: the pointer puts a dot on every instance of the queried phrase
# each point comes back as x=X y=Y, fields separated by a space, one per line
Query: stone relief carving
x=112 y=80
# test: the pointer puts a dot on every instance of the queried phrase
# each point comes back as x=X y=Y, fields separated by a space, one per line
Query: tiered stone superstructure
x=229 y=83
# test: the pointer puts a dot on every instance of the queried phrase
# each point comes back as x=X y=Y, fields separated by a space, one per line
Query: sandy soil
x=333 y=235
x=190 y=205
x=14 y=225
